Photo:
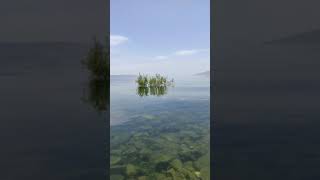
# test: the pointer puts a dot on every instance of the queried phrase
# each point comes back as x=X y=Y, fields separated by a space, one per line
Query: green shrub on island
x=152 y=85
x=153 y=81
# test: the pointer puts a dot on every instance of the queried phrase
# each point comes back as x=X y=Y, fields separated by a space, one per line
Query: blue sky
x=170 y=37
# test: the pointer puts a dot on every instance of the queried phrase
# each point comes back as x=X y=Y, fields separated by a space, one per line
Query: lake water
x=47 y=130
x=160 y=136
x=54 y=122
x=267 y=113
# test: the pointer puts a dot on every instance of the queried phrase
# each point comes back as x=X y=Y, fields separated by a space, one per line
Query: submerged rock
x=158 y=176
x=142 y=178
x=116 y=177
x=161 y=158
x=114 y=160
x=176 y=164
x=117 y=169
x=205 y=173
x=197 y=173
x=131 y=170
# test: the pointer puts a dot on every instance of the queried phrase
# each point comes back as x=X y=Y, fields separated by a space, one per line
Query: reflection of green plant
x=143 y=91
x=98 y=94
x=98 y=64
x=153 y=90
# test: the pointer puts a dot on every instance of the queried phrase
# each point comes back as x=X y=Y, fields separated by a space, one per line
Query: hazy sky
x=53 y=20
x=167 y=36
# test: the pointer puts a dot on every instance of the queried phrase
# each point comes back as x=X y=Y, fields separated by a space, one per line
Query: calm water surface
x=160 y=137
x=47 y=131
x=267 y=113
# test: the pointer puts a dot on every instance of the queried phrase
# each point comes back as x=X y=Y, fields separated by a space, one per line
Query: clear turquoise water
x=160 y=137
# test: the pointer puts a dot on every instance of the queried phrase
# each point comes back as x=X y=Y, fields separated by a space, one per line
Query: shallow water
x=160 y=137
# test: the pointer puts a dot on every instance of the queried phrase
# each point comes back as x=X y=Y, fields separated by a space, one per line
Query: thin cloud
x=189 y=52
x=161 y=57
x=185 y=52
x=182 y=53
x=116 y=40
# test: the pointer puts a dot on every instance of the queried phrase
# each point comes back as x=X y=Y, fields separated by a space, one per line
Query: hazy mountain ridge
x=205 y=73
x=127 y=75
x=311 y=37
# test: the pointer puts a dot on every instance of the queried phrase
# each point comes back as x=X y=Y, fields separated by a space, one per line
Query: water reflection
x=97 y=63
x=97 y=90
x=97 y=94
x=153 y=91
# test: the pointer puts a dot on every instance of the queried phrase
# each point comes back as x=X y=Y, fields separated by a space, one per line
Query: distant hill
x=123 y=75
x=312 y=37
x=206 y=73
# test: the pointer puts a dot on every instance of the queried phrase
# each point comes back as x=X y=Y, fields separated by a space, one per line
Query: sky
x=170 y=37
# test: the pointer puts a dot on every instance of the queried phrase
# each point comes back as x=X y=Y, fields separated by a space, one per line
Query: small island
x=153 y=81
x=155 y=85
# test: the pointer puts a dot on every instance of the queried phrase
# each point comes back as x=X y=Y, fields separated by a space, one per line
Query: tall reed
x=153 y=81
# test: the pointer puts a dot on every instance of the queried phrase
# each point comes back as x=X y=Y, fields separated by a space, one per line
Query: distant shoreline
x=123 y=75
x=206 y=73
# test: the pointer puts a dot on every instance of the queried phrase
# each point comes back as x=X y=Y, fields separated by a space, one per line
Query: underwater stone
x=159 y=176
x=176 y=175
x=142 y=178
x=205 y=173
x=117 y=169
x=116 y=177
x=203 y=161
x=161 y=158
x=176 y=164
x=189 y=166
x=131 y=170
x=114 y=160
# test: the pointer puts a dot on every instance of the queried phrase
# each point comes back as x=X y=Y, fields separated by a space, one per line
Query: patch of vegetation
x=153 y=81
x=153 y=85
